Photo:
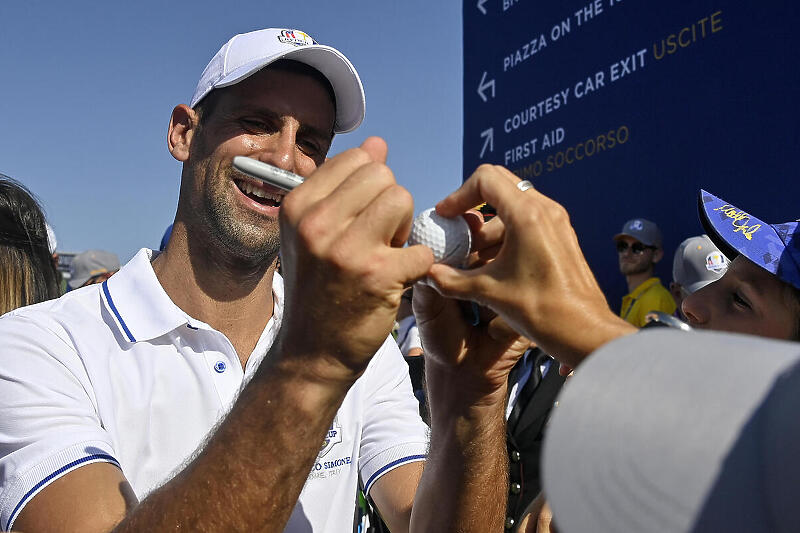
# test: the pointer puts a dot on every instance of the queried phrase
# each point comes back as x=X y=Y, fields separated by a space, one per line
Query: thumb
x=427 y=303
x=376 y=148
x=413 y=262
x=458 y=283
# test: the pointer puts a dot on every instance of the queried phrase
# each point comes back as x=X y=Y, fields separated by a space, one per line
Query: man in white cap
x=697 y=262
x=197 y=390
x=639 y=249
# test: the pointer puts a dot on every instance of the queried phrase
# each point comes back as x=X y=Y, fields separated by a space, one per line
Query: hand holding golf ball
x=449 y=238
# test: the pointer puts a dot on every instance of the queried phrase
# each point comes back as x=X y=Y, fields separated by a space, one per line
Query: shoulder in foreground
x=76 y=305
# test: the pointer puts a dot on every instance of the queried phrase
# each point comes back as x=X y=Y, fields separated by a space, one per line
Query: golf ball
x=448 y=238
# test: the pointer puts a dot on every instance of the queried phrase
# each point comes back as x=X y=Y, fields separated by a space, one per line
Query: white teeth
x=249 y=188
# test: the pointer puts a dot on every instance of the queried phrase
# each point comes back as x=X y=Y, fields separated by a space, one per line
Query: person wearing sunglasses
x=639 y=249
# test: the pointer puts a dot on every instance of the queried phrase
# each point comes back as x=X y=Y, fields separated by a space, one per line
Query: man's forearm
x=250 y=473
x=464 y=485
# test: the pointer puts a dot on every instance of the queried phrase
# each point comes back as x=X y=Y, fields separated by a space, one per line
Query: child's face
x=747 y=299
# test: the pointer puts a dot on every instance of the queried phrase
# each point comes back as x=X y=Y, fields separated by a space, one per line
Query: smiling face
x=747 y=299
x=280 y=116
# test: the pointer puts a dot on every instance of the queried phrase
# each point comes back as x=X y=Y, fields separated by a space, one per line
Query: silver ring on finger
x=524 y=185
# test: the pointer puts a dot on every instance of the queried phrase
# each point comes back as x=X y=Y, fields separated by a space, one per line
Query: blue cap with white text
x=773 y=247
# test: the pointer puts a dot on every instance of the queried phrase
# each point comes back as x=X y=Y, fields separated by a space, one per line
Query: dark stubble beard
x=242 y=234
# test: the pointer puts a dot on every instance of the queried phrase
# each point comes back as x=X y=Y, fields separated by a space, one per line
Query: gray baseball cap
x=89 y=264
x=665 y=431
x=642 y=230
x=697 y=263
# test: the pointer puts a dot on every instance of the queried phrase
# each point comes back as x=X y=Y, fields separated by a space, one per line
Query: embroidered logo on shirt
x=332 y=438
x=334 y=465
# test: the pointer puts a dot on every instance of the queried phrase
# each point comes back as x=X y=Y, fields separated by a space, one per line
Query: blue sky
x=88 y=87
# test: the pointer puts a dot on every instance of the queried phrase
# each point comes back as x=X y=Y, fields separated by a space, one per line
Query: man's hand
x=533 y=274
x=342 y=233
x=478 y=358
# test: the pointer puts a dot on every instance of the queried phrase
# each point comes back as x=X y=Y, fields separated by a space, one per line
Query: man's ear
x=182 y=127
x=658 y=255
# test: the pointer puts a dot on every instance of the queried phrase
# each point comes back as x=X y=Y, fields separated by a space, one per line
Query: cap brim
x=347 y=87
x=637 y=237
x=736 y=232
x=692 y=287
x=76 y=283
x=666 y=430
x=619 y=235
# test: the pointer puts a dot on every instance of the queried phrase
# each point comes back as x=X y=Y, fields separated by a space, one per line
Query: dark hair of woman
x=27 y=272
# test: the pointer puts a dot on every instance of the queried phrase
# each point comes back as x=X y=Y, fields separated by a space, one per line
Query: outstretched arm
x=534 y=273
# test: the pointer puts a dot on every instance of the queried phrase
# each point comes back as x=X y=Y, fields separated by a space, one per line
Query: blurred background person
x=27 y=273
x=697 y=263
x=92 y=266
x=639 y=249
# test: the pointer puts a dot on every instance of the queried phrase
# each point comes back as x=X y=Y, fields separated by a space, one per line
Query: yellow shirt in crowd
x=649 y=296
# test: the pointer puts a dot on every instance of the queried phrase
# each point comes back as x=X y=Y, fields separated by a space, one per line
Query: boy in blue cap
x=760 y=292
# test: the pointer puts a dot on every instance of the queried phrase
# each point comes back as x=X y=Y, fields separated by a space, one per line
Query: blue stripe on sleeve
x=95 y=457
x=374 y=477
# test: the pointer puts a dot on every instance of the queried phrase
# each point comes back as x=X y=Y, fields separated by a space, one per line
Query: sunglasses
x=636 y=248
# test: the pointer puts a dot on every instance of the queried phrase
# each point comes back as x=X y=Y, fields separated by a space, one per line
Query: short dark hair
x=27 y=272
x=205 y=107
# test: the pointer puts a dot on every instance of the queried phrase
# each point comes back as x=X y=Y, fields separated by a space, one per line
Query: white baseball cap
x=247 y=53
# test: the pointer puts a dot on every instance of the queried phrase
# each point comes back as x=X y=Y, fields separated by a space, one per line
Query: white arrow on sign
x=485 y=85
x=480 y=6
x=489 y=136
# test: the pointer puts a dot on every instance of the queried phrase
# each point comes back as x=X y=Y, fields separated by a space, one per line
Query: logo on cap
x=637 y=225
x=740 y=220
x=296 y=37
x=716 y=262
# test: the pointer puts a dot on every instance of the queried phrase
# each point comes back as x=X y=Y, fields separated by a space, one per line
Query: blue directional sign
x=621 y=109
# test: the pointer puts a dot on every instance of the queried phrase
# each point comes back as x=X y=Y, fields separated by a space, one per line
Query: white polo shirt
x=118 y=373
